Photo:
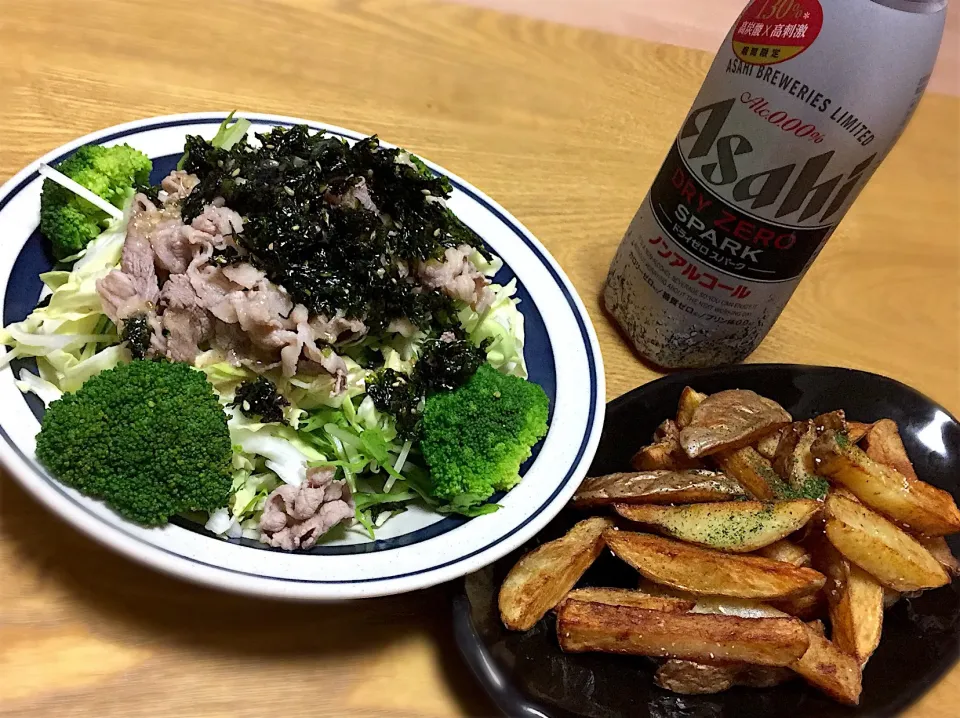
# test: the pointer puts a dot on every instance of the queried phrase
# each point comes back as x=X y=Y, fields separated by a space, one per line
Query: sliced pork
x=295 y=517
x=132 y=289
x=457 y=277
x=177 y=185
x=185 y=330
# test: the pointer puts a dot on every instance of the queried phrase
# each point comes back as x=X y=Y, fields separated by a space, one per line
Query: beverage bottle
x=802 y=103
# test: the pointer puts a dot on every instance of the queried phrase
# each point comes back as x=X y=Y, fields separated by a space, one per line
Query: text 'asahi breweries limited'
x=802 y=103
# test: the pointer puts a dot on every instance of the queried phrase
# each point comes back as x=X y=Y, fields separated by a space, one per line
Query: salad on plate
x=291 y=336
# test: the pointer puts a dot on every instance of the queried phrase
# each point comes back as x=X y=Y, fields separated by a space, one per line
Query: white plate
x=415 y=550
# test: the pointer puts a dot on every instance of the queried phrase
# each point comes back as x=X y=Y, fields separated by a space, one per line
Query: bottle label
x=774 y=31
x=722 y=236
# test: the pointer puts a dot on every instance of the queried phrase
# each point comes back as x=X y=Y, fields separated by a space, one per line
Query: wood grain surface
x=565 y=127
x=700 y=24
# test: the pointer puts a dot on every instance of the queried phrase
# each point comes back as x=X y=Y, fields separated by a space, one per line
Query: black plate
x=527 y=675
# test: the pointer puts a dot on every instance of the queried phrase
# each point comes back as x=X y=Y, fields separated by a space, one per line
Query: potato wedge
x=855 y=600
x=657 y=487
x=665 y=455
x=767 y=445
x=915 y=504
x=856 y=430
x=668 y=429
x=856 y=613
x=883 y=444
x=665 y=452
x=826 y=667
x=584 y=626
x=729 y=420
x=691 y=678
x=806 y=608
x=541 y=579
x=878 y=546
x=835 y=420
x=792 y=459
x=706 y=572
x=737 y=526
x=645 y=585
x=938 y=548
x=726 y=606
x=752 y=471
x=786 y=551
x=689 y=401
x=627 y=597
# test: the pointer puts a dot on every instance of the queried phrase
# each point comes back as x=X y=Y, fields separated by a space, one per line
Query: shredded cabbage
x=70 y=329
x=41 y=387
x=502 y=322
x=281 y=448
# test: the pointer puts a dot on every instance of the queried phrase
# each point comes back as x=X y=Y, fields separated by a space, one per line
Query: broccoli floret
x=149 y=438
x=475 y=438
x=69 y=221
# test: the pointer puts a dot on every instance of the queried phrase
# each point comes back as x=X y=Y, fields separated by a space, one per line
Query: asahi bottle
x=802 y=103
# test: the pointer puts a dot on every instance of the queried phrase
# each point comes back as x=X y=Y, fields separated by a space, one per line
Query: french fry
x=657 y=487
x=749 y=468
x=787 y=552
x=826 y=667
x=915 y=504
x=938 y=548
x=689 y=401
x=883 y=444
x=706 y=572
x=691 y=678
x=730 y=420
x=878 y=546
x=855 y=600
x=584 y=626
x=540 y=580
x=627 y=597
x=737 y=526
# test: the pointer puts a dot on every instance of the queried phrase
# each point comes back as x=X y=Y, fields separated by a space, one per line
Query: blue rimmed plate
x=416 y=549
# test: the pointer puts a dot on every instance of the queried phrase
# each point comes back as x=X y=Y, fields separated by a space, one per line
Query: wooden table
x=565 y=128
